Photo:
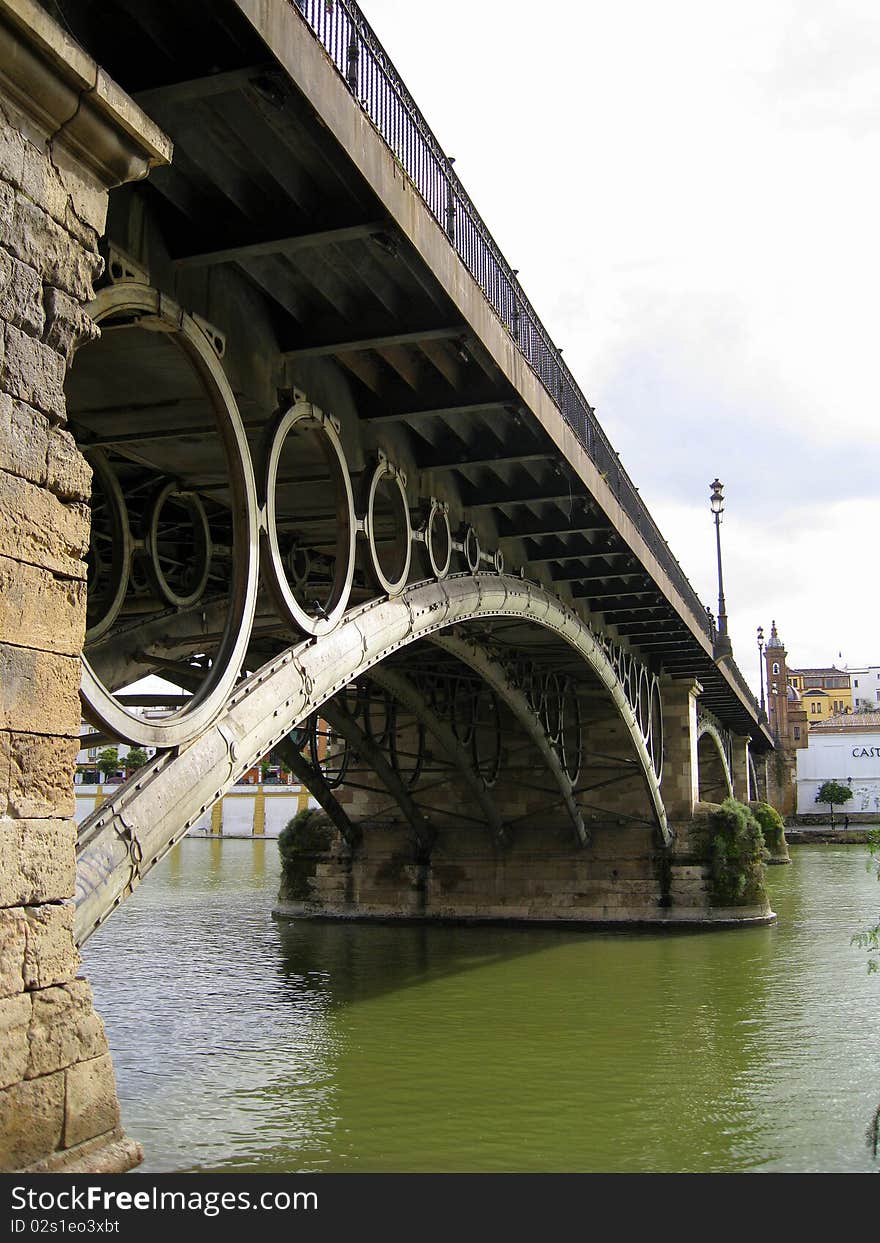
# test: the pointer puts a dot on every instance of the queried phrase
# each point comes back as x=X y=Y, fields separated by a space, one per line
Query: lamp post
x=762 y=715
x=716 y=502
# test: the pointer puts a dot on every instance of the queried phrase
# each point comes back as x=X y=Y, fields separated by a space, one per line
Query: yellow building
x=823 y=692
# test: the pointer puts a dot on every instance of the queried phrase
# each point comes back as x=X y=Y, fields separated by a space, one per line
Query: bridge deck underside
x=260 y=196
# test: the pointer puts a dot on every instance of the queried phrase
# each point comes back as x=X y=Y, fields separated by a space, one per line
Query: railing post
x=351 y=75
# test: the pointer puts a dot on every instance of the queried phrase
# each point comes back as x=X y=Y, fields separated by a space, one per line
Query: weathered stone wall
x=58 y=1106
x=623 y=876
x=57 y=1079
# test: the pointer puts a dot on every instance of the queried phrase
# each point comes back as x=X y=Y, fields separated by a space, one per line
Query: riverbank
x=824 y=834
x=819 y=830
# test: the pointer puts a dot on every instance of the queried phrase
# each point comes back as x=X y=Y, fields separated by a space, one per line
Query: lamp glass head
x=716 y=500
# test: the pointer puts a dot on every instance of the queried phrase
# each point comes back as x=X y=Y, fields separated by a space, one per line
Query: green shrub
x=773 y=828
x=302 y=840
x=309 y=831
x=736 y=856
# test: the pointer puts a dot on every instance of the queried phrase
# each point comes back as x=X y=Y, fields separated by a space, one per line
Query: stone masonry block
x=7 y=206
x=39 y=528
x=91 y=1107
x=64 y=1029
x=68 y=474
x=15 y=1019
x=38 y=610
x=50 y=955
x=76 y=205
x=35 y=449
x=12 y=144
x=37 y=861
x=67 y=324
x=32 y=372
x=24 y=440
x=72 y=199
x=40 y=691
x=31 y=1120
x=21 y=296
x=13 y=943
x=41 y=243
x=36 y=775
x=85 y=212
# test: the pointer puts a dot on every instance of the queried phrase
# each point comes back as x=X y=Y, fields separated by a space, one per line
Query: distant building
x=798 y=699
x=845 y=748
x=865 y=682
x=788 y=717
x=824 y=692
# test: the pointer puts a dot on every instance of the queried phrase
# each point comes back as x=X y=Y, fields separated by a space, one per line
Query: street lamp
x=762 y=716
x=722 y=641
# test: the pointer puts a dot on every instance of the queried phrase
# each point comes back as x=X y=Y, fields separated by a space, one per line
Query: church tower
x=788 y=723
x=777 y=683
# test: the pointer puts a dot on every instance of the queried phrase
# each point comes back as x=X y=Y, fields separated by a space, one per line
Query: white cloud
x=691 y=192
x=826 y=614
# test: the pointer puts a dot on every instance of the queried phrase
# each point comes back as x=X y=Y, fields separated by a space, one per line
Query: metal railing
x=352 y=45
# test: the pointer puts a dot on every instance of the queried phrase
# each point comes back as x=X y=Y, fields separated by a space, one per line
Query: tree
x=833 y=793
x=108 y=760
x=136 y=758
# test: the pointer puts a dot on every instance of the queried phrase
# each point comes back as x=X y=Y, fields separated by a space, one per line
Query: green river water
x=246 y=1044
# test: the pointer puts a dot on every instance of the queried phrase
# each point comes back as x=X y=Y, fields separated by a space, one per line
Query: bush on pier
x=736 y=856
x=773 y=828
x=301 y=842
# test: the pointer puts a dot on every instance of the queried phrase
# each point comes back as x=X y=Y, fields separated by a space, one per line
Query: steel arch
x=709 y=729
x=131 y=832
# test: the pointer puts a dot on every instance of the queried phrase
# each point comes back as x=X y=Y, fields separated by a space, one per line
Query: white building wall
x=237 y=810
x=853 y=759
x=865 y=683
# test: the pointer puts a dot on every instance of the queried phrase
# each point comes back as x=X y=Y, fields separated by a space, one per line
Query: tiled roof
x=850 y=721
x=820 y=673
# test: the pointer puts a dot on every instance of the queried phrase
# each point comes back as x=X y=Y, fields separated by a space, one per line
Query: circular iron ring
x=489 y=768
x=101 y=707
x=571 y=733
x=551 y=709
x=391 y=586
x=471 y=549
x=438 y=512
x=192 y=503
x=306 y=417
x=656 y=747
x=120 y=555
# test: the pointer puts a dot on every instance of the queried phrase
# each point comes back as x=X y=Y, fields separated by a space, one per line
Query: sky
x=691 y=194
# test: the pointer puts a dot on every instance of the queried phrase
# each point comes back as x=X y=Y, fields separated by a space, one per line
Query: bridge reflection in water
x=359 y=1047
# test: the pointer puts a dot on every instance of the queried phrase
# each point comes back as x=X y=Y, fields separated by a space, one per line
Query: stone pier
x=67 y=134
x=625 y=874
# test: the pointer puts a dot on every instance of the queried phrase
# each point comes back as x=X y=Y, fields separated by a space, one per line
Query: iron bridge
x=348 y=500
